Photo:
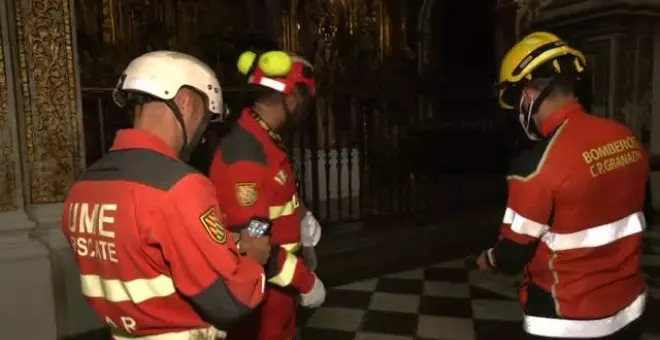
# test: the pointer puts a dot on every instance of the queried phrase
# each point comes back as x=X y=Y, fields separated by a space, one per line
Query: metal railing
x=361 y=157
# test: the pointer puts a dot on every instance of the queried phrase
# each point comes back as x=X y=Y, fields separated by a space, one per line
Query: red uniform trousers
x=275 y=319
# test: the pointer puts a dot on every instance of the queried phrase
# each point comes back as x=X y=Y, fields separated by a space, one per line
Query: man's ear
x=525 y=93
x=530 y=93
x=291 y=102
x=188 y=101
x=182 y=98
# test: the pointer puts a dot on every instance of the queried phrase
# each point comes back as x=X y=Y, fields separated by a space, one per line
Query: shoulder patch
x=246 y=193
x=213 y=226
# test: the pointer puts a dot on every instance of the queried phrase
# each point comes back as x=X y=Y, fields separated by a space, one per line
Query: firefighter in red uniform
x=256 y=183
x=574 y=217
x=156 y=262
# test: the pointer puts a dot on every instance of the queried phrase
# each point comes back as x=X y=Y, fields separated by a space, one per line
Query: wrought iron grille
x=362 y=156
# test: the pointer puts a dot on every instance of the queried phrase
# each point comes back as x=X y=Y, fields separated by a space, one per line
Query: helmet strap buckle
x=189 y=145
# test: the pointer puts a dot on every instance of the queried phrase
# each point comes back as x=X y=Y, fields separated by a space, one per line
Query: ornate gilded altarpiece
x=7 y=155
x=335 y=33
x=616 y=38
x=618 y=42
x=112 y=32
x=357 y=46
x=47 y=109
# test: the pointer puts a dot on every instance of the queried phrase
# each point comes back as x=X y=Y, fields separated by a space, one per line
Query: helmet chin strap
x=187 y=151
x=188 y=145
x=526 y=114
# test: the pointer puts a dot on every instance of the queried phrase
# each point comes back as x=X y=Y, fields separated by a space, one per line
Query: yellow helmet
x=539 y=54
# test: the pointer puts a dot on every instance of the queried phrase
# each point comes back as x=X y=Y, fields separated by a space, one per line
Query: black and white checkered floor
x=443 y=301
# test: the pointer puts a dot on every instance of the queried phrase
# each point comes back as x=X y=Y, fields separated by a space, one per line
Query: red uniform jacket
x=148 y=236
x=255 y=179
x=574 y=221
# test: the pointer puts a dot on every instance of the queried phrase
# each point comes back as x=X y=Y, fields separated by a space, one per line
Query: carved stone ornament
x=527 y=12
x=7 y=155
x=49 y=97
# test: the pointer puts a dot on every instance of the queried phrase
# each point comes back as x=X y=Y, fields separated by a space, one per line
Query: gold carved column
x=8 y=168
x=49 y=93
x=42 y=154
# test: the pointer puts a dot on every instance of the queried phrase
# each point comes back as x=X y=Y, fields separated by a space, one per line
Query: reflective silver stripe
x=562 y=328
x=272 y=83
x=490 y=257
x=137 y=291
x=210 y=333
x=587 y=238
x=522 y=225
x=509 y=214
x=597 y=236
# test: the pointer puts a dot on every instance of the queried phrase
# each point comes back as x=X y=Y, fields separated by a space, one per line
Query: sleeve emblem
x=213 y=226
x=246 y=194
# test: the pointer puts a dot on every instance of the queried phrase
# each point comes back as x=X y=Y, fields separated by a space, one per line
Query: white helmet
x=162 y=73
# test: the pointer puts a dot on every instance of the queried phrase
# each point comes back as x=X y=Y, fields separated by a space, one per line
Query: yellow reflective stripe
x=286 y=209
x=285 y=276
x=291 y=247
x=137 y=291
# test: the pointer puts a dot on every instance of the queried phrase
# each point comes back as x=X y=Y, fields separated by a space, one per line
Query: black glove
x=271 y=268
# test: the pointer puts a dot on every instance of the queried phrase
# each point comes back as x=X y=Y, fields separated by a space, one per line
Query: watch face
x=257 y=228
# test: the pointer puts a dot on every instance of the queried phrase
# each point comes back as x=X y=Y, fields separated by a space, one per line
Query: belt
x=209 y=333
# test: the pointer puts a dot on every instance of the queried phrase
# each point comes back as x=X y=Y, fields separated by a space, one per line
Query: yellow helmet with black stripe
x=538 y=55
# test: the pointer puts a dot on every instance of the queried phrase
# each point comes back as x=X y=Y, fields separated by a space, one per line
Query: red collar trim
x=253 y=118
x=556 y=118
x=140 y=139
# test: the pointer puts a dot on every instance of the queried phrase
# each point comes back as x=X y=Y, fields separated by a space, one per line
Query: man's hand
x=315 y=297
x=257 y=248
